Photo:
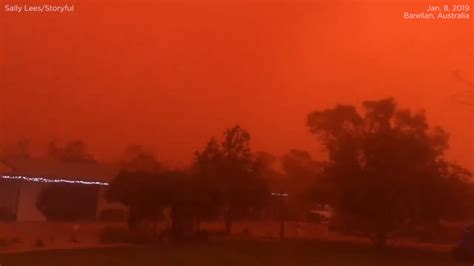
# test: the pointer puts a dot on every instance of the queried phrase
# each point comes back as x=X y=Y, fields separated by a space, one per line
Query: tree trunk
x=132 y=218
x=228 y=223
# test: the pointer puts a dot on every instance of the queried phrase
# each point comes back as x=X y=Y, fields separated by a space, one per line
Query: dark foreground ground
x=248 y=253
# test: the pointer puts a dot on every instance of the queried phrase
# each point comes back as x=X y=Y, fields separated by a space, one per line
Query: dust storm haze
x=169 y=75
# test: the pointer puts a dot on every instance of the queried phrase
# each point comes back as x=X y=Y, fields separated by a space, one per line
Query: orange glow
x=171 y=75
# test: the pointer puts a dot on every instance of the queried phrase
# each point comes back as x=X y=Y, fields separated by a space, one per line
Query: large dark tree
x=146 y=194
x=141 y=185
x=233 y=175
x=300 y=172
x=19 y=149
x=386 y=167
x=207 y=172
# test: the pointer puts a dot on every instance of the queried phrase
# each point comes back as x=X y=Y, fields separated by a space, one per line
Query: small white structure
x=23 y=179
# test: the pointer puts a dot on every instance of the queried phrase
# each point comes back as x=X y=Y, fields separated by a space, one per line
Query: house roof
x=54 y=169
x=4 y=168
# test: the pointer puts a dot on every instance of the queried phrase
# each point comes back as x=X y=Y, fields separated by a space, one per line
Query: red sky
x=171 y=74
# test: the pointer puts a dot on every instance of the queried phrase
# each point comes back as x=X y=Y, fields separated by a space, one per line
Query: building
x=23 y=179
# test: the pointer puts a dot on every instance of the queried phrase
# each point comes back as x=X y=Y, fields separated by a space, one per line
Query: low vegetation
x=271 y=253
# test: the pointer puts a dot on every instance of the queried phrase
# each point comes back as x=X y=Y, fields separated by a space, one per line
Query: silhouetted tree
x=458 y=203
x=137 y=184
x=73 y=151
x=145 y=194
x=268 y=165
x=234 y=177
x=300 y=173
x=138 y=158
x=148 y=194
x=19 y=149
x=207 y=173
x=386 y=167
x=185 y=202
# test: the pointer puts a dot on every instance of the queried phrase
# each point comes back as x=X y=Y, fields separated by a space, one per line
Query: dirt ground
x=20 y=237
x=235 y=253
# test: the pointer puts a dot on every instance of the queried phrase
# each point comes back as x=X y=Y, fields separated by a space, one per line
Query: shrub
x=113 y=215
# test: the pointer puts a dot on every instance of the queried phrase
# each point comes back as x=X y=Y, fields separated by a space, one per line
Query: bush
x=113 y=215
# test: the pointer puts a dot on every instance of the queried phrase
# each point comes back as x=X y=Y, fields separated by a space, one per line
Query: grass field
x=236 y=252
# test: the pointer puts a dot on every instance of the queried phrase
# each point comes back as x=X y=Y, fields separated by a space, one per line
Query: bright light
x=47 y=180
x=280 y=194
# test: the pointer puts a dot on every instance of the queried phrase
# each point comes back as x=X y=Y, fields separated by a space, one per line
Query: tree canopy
x=386 y=167
x=73 y=151
x=232 y=175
